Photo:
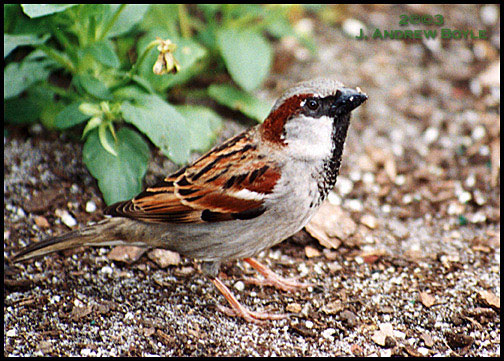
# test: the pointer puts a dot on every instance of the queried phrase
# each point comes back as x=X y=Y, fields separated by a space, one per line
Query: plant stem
x=185 y=28
x=129 y=75
x=110 y=23
x=62 y=92
x=142 y=57
x=57 y=57
x=61 y=37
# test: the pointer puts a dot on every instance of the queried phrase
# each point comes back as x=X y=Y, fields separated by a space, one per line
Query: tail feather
x=109 y=232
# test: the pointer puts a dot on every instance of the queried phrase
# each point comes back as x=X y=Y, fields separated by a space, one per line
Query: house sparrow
x=244 y=196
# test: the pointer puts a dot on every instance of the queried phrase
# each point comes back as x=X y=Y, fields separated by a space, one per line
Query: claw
x=237 y=309
x=272 y=279
x=251 y=316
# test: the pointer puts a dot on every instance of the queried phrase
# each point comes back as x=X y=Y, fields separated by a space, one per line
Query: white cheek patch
x=310 y=138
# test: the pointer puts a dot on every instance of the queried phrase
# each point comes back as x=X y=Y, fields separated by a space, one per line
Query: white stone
x=328 y=332
x=90 y=207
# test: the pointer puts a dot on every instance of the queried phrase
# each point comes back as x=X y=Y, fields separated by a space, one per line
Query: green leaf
x=279 y=27
x=90 y=109
x=162 y=124
x=247 y=56
x=21 y=110
x=130 y=16
x=93 y=86
x=144 y=83
x=16 y=22
x=92 y=124
x=102 y=135
x=20 y=76
x=37 y=10
x=119 y=177
x=11 y=42
x=209 y=10
x=204 y=125
x=49 y=112
x=37 y=103
x=104 y=53
x=161 y=16
x=129 y=92
x=70 y=116
x=236 y=99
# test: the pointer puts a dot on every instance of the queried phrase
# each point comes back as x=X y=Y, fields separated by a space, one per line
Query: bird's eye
x=312 y=104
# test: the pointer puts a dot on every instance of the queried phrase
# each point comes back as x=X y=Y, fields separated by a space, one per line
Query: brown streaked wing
x=229 y=182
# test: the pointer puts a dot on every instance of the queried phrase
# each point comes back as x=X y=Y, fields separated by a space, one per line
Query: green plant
x=101 y=65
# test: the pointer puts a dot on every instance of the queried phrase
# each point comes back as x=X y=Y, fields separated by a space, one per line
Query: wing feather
x=229 y=182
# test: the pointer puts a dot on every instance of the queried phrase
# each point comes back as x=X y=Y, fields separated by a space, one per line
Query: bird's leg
x=272 y=279
x=237 y=309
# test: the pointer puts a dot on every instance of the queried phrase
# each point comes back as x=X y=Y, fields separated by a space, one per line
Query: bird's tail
x=109 y=232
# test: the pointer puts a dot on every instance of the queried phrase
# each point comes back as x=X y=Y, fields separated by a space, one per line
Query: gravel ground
x=414 y=268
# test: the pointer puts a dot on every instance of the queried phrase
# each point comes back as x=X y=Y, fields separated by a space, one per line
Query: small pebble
x=489 y=14
x=479 y=198
x=477 y=217
x=355 y=176
x=475 y=84
x=302 y=269
x=328 y=332
x=334 y=199
x=455 y=209
x=369 y=221
x=368 y=178
x=352 y=27
x=484 y=150
x=90 y=207
x=312 y=252
x=129 y=316
x=85 y=352
x=293 y=307
x=400 y=179
x=41 y=222
x=344 y=185
x=430 y=135
x=399 y=334
x=407 y=199
x=464 y=197
x=470 y=180
x=386 y=353
x=305 y=26
x=239 y=286
x=478 y=133
x=20 y=212
x=36 y=129
x=354 y=205
x=107 y=270
x=66 y=218
x=163 y=257
x=423 y=351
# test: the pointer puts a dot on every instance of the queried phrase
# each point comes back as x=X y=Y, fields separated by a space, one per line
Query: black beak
x=347 y=100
